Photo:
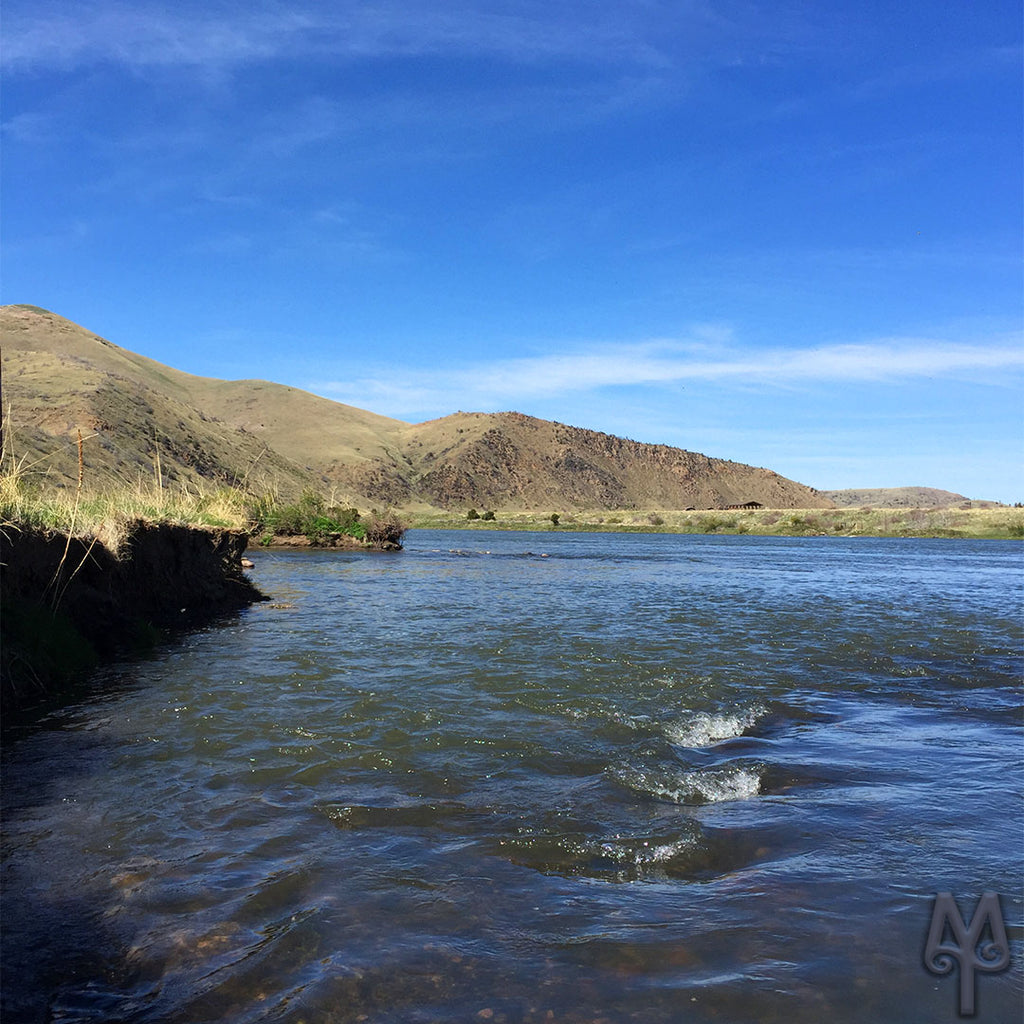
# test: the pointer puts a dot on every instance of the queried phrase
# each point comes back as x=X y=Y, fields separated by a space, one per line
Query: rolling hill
x=141 y=418
x=904 y=497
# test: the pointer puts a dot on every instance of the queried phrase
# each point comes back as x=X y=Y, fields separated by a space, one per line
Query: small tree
x=554 y=518
x=489 y=516
x=472 y=514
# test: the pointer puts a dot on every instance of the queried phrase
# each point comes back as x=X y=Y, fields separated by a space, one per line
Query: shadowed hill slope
x=140 y=416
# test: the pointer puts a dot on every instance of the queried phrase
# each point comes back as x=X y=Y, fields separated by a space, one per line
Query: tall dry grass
x=26 y=500
x=29 y=500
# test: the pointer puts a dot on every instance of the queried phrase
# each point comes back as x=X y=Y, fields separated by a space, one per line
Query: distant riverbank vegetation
x=980 y=523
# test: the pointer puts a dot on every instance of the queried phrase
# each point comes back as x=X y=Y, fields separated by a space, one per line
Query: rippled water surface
x=535 y=777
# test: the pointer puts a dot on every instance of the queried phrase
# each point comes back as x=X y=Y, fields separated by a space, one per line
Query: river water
x=536 y=777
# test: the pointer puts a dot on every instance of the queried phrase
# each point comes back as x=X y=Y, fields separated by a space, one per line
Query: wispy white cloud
x=33 y=128
x=61 y=238
x=141 y=35
x=666 y=363
x=213 y=132
x=56 y=36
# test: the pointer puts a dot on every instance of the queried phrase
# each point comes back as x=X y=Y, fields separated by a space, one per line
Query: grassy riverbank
x=981 y=523
x=86 y=514
x=263 y=517
x=69 y=601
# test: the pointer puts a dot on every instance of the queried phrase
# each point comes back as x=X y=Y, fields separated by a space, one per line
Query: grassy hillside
x=131 y=432
x=141 y=418
x=903 y=497
x=142 y=421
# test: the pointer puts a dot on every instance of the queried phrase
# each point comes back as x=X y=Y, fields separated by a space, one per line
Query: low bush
x=310 y=517
x=384 y=530
x=710 y=524
x=292 y=520
x=799 y=524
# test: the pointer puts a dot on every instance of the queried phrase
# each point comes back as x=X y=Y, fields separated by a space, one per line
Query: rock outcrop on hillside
x=508 y=460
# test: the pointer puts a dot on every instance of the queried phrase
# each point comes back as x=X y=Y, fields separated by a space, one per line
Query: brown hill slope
x=509 y=460
x=903 y=497
x=60 y=378
x=129 y=429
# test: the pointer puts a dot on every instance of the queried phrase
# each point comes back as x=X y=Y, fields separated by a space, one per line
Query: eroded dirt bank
x=65 y=605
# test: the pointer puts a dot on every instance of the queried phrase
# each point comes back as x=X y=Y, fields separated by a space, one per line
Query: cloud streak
x=673 y=364
x=146 y=35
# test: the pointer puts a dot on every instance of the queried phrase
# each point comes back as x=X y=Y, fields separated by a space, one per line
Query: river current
x=536 y=777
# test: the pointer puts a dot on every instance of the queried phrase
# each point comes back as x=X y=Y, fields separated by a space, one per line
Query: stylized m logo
x=950 y=939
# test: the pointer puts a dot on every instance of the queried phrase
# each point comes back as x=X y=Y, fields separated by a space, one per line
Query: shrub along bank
x=323 y=525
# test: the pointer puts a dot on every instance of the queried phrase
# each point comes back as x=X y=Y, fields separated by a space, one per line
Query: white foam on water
x=582 y=713
x=702 y=786
x=702 y=729
x=641 y=852
x=622 y=854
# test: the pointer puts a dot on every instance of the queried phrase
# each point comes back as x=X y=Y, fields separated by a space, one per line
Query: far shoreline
x=1004 y=523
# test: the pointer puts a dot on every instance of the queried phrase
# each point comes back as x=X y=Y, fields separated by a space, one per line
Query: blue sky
x=785 y=233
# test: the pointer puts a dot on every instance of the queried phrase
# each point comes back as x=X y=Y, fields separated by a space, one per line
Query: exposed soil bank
x=65 y=605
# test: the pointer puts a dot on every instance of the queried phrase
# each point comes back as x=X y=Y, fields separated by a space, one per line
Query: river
x=536 y=777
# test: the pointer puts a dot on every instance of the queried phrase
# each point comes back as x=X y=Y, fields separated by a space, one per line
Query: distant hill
x=507 y=460
x=138 y=415
x=903 y=497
